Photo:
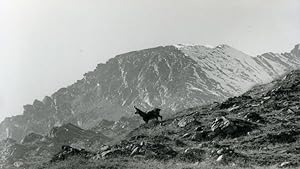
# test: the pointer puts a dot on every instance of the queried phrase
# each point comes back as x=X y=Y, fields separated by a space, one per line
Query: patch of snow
x=155 y=67
x=191 y=87
x=180 y=46
x=233 y=70
x=7 y=132
x=123 y=75
x=123 y=102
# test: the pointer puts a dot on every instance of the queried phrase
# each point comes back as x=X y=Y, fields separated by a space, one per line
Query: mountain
x=35 y=148
x=258 y=129
x=170 y=77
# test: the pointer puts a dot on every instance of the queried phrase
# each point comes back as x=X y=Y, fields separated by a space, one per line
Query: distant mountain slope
x=277 y=64
x=170 y=77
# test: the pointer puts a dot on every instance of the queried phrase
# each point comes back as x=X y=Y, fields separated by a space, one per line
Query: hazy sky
x=48 y=44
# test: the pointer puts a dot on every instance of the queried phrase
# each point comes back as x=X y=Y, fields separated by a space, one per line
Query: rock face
x=169 y=77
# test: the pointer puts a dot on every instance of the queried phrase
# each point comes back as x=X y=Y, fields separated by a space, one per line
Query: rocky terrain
x=35 y=148
x=259 y=128
x=170 y=77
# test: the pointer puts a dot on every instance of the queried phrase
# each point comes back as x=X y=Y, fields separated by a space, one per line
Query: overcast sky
x=48 y=44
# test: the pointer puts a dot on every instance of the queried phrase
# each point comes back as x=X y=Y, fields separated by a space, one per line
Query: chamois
x=153 y=114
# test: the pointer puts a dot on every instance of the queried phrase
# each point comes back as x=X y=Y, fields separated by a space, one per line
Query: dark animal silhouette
x=153 y=114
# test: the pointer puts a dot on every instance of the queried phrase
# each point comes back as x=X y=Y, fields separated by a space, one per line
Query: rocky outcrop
x=68 y=134
x=225 y=127
x=68 y=151
x=148 y=150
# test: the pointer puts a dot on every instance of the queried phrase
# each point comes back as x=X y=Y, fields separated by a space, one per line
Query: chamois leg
x=160 y=117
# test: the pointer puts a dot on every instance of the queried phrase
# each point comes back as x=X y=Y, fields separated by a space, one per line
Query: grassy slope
x=129 y=163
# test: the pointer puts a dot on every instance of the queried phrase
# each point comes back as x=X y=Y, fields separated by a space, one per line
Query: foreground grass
x=128 y=163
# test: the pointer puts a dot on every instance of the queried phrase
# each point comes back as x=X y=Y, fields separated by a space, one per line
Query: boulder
x=188 y=120
x=135 y=151
x=287 y=164
x=18 y=164
x=104 y=148
x=225 y=127
x=226 y=155
x=220 y=159
x=254 y=117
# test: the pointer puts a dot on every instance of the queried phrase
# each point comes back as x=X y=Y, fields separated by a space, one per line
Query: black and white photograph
x=149 y=84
